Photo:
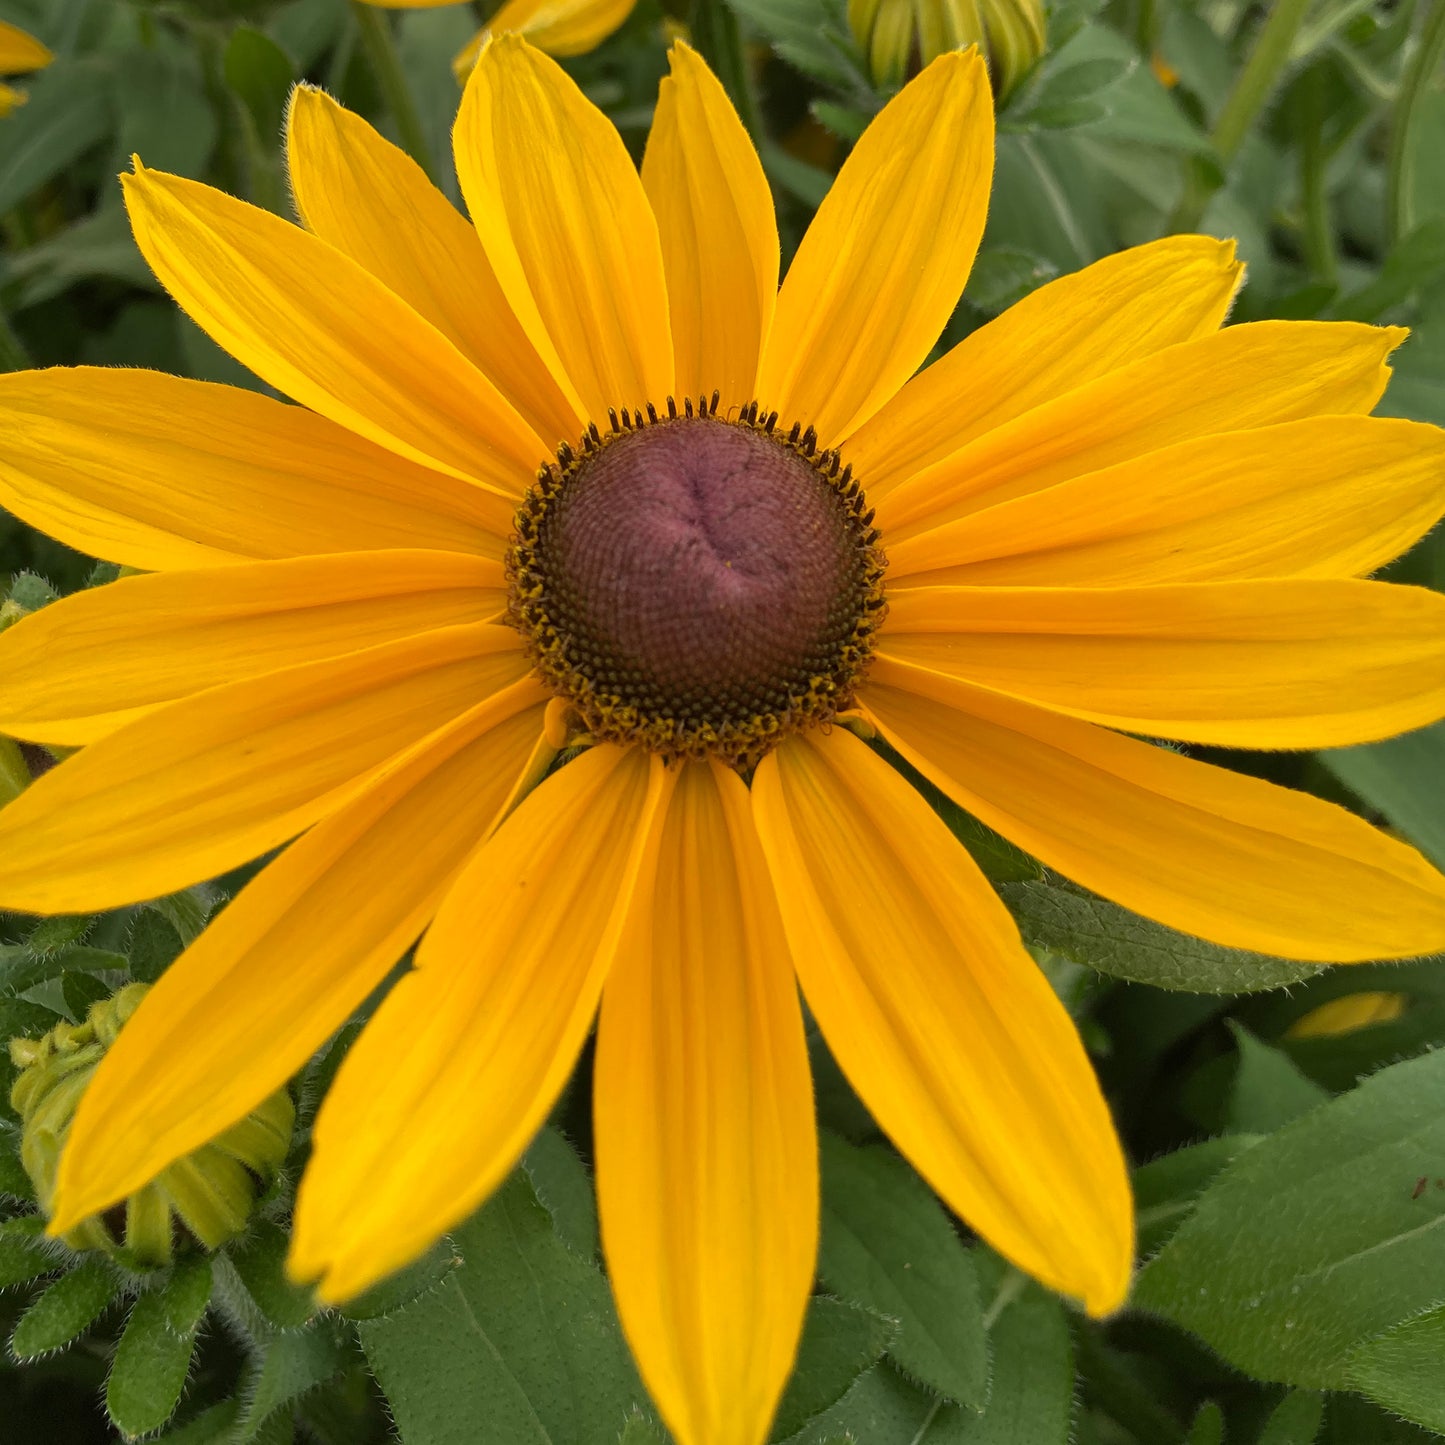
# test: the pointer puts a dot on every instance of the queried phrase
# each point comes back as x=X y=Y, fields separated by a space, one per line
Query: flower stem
x=1256 y=83
x=1399 y=193
x=1319 y=236
x=377 y=40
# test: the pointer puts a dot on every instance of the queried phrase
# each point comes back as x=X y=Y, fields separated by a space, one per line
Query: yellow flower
x=896 y=34
x=1347 y=1014
x=373 y=624
x=19 y=55
x=560 y=27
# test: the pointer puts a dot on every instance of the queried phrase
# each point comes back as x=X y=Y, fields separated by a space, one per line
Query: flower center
x=697 y=585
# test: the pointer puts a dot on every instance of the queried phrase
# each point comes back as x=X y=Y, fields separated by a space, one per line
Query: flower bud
x=210 y=1193
x=899 y=36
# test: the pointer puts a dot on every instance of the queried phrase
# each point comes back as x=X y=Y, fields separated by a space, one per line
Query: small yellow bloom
x=1347 y=1014
x=560 y=27
x=581 y=471
x=897 y=34
x=19 y=55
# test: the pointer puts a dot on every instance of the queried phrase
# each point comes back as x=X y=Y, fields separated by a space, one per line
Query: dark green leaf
x=839 y=1342
x=22 y=1256
x=154 y=1355
x=564 y=1190
x=639 y=1430
x=1401 y=777
x=1401 y=1369
x=522 y=1336
x=1319 y=1236
x=1296 y=1420
x=290 y=1367
x=52 y=936
x=81 y=990
x=98 y=245
x=1269 y=1090
x=187 y=911
x=165 y=117
x=20 y=1018
x=65 y=1309
x=154 y=945
x=69 y=110
x=216 y=1426
x=14 y=1181
x=1031 y=1395
x=1165 y=1189
x=1103 y=936
x=1208 y=1426
x=260 y=1260
x=883 y=1408
x=1001 y=276
x=261 y=75
x=888 y=1246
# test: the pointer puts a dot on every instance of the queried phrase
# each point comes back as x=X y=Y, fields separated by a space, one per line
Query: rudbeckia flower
x=553 y=624
x=560 y=27
x=19 y=55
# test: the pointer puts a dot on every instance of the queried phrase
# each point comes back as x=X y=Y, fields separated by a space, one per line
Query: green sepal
x=65 y=1309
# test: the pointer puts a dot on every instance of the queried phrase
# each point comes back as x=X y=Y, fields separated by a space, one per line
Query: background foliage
x=1291 y=1188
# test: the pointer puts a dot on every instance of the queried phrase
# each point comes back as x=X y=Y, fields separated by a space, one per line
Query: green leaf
x=1165 y=1189
x=154 y=945
x=1208 y=1426
x=290 y=1367
x=22 y=1255
x=1269 y=1090
x=887 y=1245
x=1401 y=1369
x=164 y=115
x=564 y=1191
x=80 y=990
x=883 y=1408
x=839 y=1342
x=523 y=1336
x=812 y=35
x=1401 y=777
x=154 y=1355
x=261 y=75
x=215 y=1426
x=68 y=111
x=639 y=1430
x=14 y=1181
x=1031 y=1395
x=188 y=911
x=1296 y=1420
x=398 y=1290
x=1103 y=936
x=1000 y=277
x=65 y=1309
x=53 y=936
x=97 y=245
x=260 y=1260
x=1317 y=1237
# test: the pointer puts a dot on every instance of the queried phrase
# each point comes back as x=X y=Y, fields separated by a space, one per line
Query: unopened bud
x=209 y=1193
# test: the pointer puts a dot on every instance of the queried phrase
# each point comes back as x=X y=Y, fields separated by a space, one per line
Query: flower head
x=19 y=55
x=579 y=483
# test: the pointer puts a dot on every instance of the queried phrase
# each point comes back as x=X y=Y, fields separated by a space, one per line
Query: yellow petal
x=1057 y=338
x=207 y=783
x=316 y=326
x=706 y=1153
x=458 y=1068
x=560 y=27
x=1239 y=378
x=940 y=1019
x=10 y=98
x=96 y=660
x=885 y=259
x=1322 y=497
x=1254 y=664
x=158 y=472
x=293 y=955
x=566 y=225
x=370 y=200
x=719 y=239
x=1211 y=852
x=1349 y=1014
x=20 y=52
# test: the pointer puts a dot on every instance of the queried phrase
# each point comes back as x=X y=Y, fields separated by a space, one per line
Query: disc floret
x=697 y=584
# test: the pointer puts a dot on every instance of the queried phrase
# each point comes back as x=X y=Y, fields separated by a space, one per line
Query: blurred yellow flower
x=1346 y=1014
x=19 y=55
x=578 y=473
x=560 y=27
x=899 y=34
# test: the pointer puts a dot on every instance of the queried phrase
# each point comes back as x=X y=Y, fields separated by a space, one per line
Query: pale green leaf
x=66 y=1308
x=1403 y=1369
